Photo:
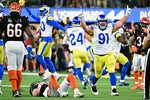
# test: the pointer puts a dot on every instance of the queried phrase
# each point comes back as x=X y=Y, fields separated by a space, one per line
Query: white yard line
x=24 y=73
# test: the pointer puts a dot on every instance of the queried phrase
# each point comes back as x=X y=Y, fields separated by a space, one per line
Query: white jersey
x=76 y=38
x=116 y=45
x=46 y=29
x=101 y=40
x=87 y=44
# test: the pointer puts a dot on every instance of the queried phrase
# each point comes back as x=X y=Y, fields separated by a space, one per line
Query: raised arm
x=33 y=16
x=122 y=21
x=51 y=22
x=83 y=24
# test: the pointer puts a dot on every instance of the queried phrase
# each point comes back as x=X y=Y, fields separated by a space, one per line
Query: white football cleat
x=57 y=76
x=62 y=93
x=78 y=94
x=46 y=76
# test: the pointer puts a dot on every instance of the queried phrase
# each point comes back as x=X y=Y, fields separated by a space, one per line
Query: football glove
x=128 y=11
x=80 y=16
x=33 y=52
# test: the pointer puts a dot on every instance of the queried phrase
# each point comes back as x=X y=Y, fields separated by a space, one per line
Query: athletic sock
x=113 y=79
x=72 y=80
x=93 y=79
x=80 y=75
x=136 y=77
x=124 y=70
x=42 y=62
x=50 y=64
x=19 y=75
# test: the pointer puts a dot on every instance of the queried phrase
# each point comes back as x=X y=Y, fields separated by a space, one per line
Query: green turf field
x=103 y=86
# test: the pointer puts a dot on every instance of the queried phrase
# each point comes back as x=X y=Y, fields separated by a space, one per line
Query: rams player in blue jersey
x=46 y=25
x=1 y=49
x=103 y=55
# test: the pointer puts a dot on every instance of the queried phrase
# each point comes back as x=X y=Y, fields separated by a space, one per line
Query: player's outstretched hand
x=128 y=11
x=29 y=11
x=33 y=52
x=80 y=16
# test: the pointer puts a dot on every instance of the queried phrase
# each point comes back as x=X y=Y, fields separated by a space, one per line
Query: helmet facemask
x=102 y=22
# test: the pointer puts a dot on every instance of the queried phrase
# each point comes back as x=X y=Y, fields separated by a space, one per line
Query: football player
x=139 y=37
x=52 y=88
x=77 y=46
x=44 y=50
x=102 y=49
x=14 y=27
x=1 y=49
x=119 y=37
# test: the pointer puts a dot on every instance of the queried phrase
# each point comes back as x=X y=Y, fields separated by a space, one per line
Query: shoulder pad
x=49 y=18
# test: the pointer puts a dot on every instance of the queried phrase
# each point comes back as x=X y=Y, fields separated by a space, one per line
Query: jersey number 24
x=79 y=38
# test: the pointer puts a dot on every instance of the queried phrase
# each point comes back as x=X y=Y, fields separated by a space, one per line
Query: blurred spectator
x=93 y=3
x=61 y=63
x=50 y=3
x=115 y=3
x=29 y=49
x=125 y=50
x=134 y=3
x=32 y=3
x=147 y=3
x=78 y=3
x=102 y=3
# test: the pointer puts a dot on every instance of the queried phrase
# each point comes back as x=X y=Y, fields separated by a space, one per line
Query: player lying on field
x=53 y=89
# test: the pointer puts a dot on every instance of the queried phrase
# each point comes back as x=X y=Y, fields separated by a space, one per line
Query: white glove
x=80 y=16
x=128 y=11
x=33 y=52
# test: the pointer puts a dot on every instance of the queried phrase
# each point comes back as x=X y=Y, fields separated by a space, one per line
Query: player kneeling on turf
x=52 y=88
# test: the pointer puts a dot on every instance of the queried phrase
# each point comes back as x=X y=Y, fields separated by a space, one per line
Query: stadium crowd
x=84 y=3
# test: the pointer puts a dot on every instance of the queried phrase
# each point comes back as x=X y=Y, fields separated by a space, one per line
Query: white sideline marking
x=24 y=73
x=11 y=86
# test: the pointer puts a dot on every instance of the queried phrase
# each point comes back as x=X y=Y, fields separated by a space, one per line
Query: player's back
x=76 y=37
x=101 y=40
x=14 y=28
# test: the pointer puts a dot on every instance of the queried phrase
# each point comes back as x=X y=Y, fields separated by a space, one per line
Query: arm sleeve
x=51 y=22
x=35 y=17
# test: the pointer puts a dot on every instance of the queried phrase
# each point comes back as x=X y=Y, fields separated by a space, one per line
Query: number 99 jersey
x=101 y=40
x=14 y=29
x=76 y=37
